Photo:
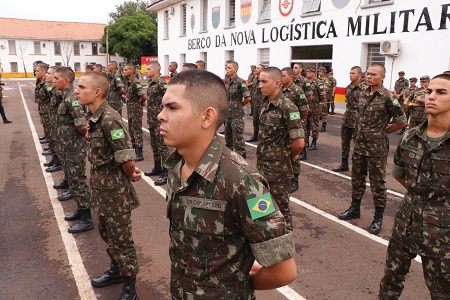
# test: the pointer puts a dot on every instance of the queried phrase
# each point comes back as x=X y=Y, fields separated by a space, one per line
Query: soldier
x=98 y=68
x=350 y=120
x=376 y=108
x=324 y=104
x=2 y=109
x=312 y=121
x=173 y=69
x=112 y=170
x=89 y=68
x=421 y=223
x=250 y=87
x=116 y=88
x=408 y=95
x=281 y=139
x=222 y=216
x=400 y=85
x=257 y=102
x=136 y=97
x=200 y=65
x=157 y=87
x=418 y=114
x=71 y=130
x=238 y=96
x=333 y=85
x=43 y=101
x=188 y=66
x=294 y=93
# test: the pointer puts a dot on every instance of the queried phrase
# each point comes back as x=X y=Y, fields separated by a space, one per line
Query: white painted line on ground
x=80 y=275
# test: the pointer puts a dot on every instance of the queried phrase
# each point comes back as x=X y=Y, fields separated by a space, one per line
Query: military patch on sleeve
x=395 y=101
x=117 y=134
x=308 y=84
x=165 y=86
x=75 y=103
x=302 y=96
x=244 y=85
x=321 y=87
x=118 y=79
x=49 y=89
x=294 y=115
x=138 y=85
x=260 y=206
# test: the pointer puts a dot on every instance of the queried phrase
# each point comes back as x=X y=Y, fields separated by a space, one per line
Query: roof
x=50 y=30
x=157 y=5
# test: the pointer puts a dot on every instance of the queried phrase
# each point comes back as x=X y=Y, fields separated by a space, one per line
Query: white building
x=414 y=35
x=72 y=44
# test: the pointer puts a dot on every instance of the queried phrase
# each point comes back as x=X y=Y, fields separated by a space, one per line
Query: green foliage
x=130 y=7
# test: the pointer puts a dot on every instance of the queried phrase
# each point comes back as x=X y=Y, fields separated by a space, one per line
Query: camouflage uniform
x=251 y=89
x=399 y=86
x=53 y=120
x=114 y=96
x=422 y=221
x=324 y=103
x=409 y=97
x=134 y=91
x=312 y=121
x=280 y=123
x=72 y=146
x=44 y=107
x=113 y=195
x=155 y=92
x=257 y=103
x=215 y=235
x=234 y=123
x=418 y=115
x=372 y=143
x=333 y=85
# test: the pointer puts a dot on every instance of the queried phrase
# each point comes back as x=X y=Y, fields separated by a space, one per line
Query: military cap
x=425 y=78
x=413 y=79
x=322 y=69
x=311 y=69
x=401 y=73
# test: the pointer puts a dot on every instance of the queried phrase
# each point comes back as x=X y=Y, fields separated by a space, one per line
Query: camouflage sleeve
x=119 y=139
x=321 y=89
x=139 y=89
x=119 y=81
x=307 y=88
x=76 y=112
x=293 y=122
x=395 y=110
x=398 y=169
x=244 y=89
x=303 y=102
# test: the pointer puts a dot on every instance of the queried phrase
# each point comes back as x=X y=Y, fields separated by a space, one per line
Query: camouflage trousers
x=398 y=260
x=376 y=166
x=323 y=112
x=160 y=150
x=280 y=191
x=45 y=121
x=347 y=134
x=233 y=135
x=312 y=127
x=256 y=112
x=116 y=232
x=135 y=128
x=74 y=165
x=296 y=166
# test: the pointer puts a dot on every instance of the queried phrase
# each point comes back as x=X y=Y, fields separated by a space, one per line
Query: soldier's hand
x=137 y=175
x=123 y=97
x=255 y=268
x=144 y=103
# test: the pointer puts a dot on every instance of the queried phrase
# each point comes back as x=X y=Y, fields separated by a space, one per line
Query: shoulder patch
x=165 y=86
x=244 y=85
x=118 y=79
x=395 y=101
x=260 y=206
x=302 y=96
x=117 y=134
x=49 y=89
x=75 y=103
x=294 y=115
x=308 y=84
x=138 y=85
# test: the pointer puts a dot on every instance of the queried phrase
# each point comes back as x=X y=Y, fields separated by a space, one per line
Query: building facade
x=404 y=35
x=72 y=44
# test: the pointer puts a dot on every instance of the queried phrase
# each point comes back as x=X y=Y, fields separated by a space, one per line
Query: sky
x=87 y=11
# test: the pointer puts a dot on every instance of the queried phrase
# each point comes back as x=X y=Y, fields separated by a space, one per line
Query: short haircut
x=232 y=62
x=288 y=70
x=204 y=89
x=383 y=68
x=357 y=68
x=89 y=67
x=43 y=67
x=38 y=62
x=201 y=63
x=274 y=73
x=154 y=65
x=54 y=68
x=66 y=72
x=174 y=62
x=299 y=64
x=99 y=66
x=190 y=66
x=262 y=66
x=444 y=75
x=131 y=66
x=114 y=63
x=446 y=72
x=98 y=80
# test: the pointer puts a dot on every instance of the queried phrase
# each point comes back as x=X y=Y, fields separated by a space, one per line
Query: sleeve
x=140 y=91
x=398 y=169
x=321 y=89
x=395 y=110
x=244 y=89
x=119 y=81
x=119 y=139
x=76 y=112
x=307 y=88
x=293 y=121
x=303 y=103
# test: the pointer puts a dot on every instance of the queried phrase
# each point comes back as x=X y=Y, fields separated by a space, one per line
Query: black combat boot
x=313 y=145
x=294 y=183
x=64 y=184
x=162 y=180
x=76 y=215
x=139 y=155
x=55 y=167
x=47 y=152
x=110 y=276
x=44 y=141
x=42 y=138
x=343 y=167
x=51 y=162
x=353 y=212
x=324 y=127
x=67 y=195
x=129 y=288
x=5 y=120
x=377 y=222
x=157 y=170
x=303 y=155
x=254 y=138
x=85 y=223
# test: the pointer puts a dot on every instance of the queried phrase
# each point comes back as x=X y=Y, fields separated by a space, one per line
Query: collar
x=276 y=102
x=98 y=113
x=422 y=134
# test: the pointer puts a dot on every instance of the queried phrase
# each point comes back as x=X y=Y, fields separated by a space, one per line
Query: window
x=264 y=56
x=231 y=13
x=14 y=67
x=94 y=49
x=76 y=48
x=12 y=47
x=310 y=6
x=374 y=56
x=264 y=13
x=204 y=25
x=58 y=64
x=312 y=52
x=77 y=67
x=229 y=55
x=182 y=59
x=57 y=48
x=166 y=24
x=183 y=19
x=37 y=47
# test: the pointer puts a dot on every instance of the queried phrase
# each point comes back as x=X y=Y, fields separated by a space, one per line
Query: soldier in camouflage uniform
x=312 y=121
x=157 y=87
x=116 y=88
x=333 y=85
x=238 y=96
x=281 y=139
x=222 y=216
x=257 y=103
x=376 y=108
x=71 y=130
x=421 y=227
x=43 y=100
x=417 y=103
x=400 y=85
x=324 y=103
x=113 y=169
x=294 y=93
x=350 y=120
x=135 y=97
x=408 y=95
x=173 y=69
x=250 y=87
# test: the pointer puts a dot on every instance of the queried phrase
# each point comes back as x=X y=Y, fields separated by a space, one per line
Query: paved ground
x=40 y=260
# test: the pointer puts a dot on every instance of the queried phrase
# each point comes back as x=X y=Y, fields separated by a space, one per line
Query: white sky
x=89 y=11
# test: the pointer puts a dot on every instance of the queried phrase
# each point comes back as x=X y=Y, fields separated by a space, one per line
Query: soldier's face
x=258 y=70
x=374 y=76
x=437 y=97
x=412 y=84
x=230 y=69
x=111 y=67
x=59 y=82
x=97 y=69
x=40 y=74
x=85 y=93
x=49 y=75
x=150 y=72
x=354 y=75
x=172 y=68
x=401 y=76
x=127 y=72
x=287 y=79
x=310 y=74
x=297 y=70
x=269 y=86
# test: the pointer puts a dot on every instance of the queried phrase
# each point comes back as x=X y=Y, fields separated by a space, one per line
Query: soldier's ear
x=209 y=118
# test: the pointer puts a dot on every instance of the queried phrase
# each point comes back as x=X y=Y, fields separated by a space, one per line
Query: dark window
x=312 y=52
x=57 y=48
x=94 y=49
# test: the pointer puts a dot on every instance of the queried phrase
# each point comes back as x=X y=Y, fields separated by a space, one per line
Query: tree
x=66 y=51
x=21 y=54
x=129 y=7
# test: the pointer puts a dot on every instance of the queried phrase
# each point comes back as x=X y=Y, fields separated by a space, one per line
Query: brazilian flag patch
x=75 y=103
x=118 y=79
x=244 y=85
x=302 y=96
x=260 y=206
x=165 y=86
x=294 y=115
x=49 y=89
x=308 y=84
x=138 y=85
x=117 y=134
x=395 y=102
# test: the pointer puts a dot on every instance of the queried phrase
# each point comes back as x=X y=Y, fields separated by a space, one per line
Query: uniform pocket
x=204 y=215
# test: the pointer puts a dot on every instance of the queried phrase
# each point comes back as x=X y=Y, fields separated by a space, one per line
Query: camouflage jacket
x=70 y=115
x=109 y=147
x=54 y=103
x=318 y=90
x=37 y=88
x=400 y=85
x=222 y=218
x=333 y=84
x=250 y=78
x=237 y=90
x=45 y=95
x=422 y=222
x=257 y=96
x=133 y=92
x=279 y=124
x=155 y=92
x=115 y=83
x=303 y=83
x=295 y=93
x=352 y=94
x=374 y=113
x=327 y=85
